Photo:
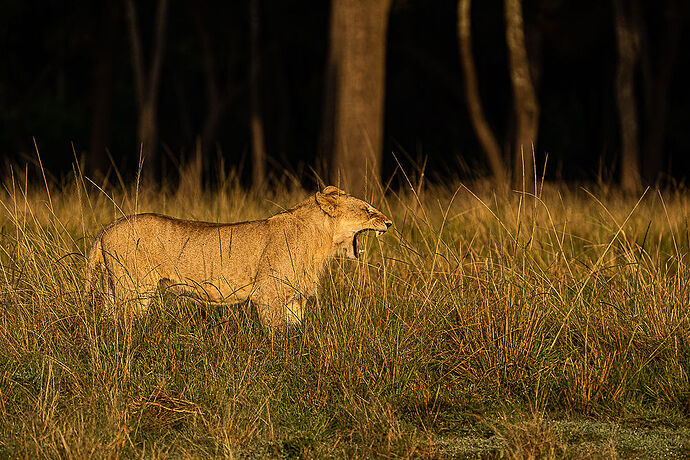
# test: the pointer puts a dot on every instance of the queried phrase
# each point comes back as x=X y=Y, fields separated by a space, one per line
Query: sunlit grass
x=483 y=323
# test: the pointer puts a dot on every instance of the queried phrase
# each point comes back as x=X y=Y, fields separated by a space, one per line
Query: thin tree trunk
x=256 y=121
x=656 y=85
x=101 y=92
x=481 y=126
x=627 y=40
x=218 y=96
x=525 y=102
x=215 y=104
x=355 y=85
x=283 y=129
x=147 y=83
x=147 y=129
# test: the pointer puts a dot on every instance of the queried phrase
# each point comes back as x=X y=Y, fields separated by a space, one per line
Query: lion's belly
x=217 y=290
x=209 y=278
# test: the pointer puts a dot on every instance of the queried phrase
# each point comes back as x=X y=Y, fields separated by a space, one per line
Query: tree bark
x=219 y=95
x=102 y=91
x=215 y=103
x=147 y=129
x=255 y=119
x=354 y=102
x=525 y=102
x=657 y=80
x=627 y=40
x=481 y=127
x=147 y=83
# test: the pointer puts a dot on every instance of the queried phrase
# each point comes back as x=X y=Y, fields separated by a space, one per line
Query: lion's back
x=177 y=248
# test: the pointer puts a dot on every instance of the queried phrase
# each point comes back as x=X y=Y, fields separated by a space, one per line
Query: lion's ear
x=328 y=203
x=333 y=190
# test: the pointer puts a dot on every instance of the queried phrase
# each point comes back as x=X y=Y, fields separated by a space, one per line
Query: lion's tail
x=93 y=265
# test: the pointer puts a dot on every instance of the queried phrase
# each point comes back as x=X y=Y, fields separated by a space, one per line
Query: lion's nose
x=388 y=224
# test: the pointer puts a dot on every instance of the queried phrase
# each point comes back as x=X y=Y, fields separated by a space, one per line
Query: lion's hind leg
x=132 y=296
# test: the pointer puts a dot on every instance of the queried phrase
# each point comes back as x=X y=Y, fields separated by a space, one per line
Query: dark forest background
x=253 y=81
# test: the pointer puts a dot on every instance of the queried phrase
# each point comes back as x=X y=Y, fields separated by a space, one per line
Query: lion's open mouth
x=356 y=251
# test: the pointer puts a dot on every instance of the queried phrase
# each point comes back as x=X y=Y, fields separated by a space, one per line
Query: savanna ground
x=482 y=325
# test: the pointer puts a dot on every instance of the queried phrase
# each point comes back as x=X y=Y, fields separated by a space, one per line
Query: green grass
x=485 y=324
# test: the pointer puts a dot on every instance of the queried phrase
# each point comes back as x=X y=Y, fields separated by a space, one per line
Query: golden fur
x=274 y=262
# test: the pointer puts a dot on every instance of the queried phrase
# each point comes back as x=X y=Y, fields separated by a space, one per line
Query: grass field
x=482 y=325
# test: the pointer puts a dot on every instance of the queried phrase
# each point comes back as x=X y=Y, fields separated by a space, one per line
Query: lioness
x=274 y=262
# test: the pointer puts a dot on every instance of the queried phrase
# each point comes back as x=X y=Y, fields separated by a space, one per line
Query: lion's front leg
x=277 y=308
x=294 y=310
x=278 y=290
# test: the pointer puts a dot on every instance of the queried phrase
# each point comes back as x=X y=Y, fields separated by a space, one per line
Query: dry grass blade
x=569 y=305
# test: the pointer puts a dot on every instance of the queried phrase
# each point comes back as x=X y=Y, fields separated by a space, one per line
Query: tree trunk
x=101 y=92
x=481 y=126
x=256 y=121
x=657 y=79
x=525 y=102
x=147 y=83
x=627 y=39
x=355 y=82
x=191 y=178
x=147 y=133
x=218 y=96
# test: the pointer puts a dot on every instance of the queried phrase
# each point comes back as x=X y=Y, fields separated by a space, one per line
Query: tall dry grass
x=477 y=303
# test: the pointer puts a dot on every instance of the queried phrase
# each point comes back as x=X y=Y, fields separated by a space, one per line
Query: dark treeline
x=349 y=88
